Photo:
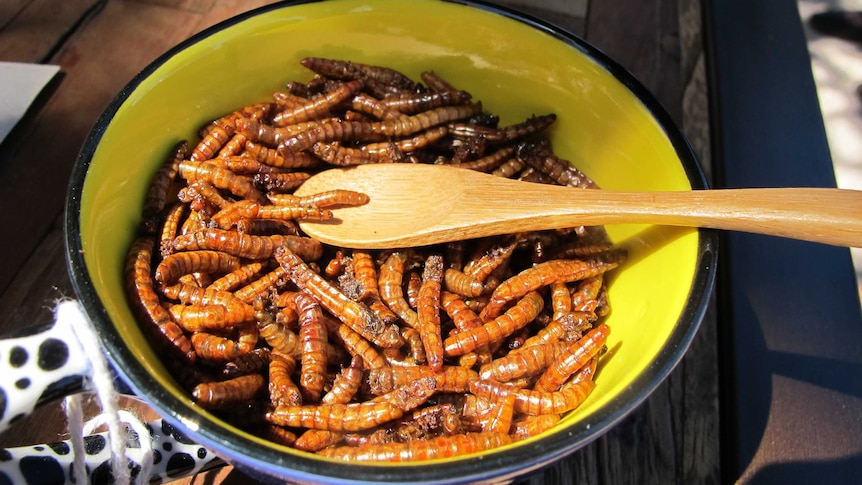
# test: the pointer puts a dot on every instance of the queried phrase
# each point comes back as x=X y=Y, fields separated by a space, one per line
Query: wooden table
x=672 y=438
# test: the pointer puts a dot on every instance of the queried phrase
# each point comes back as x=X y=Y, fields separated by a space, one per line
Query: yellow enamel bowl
x=607 y=124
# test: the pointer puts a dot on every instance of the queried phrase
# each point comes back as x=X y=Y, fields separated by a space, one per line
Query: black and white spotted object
x=174 y=457
x=44 y=364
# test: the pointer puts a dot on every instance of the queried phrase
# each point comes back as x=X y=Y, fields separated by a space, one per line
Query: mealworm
x=353 y=416
x=321 y=200
x=370 y=131
x=339 y=69
x=481 y=266
x=541 y=158
x=157 y=193
x=313 y=340
x=216 y=348
x=509 y=168
x=248 y=363
x=461 y=283
x=240 y=276
x=280 y=182
x=218 y=134
x=194 y=318
x=370 y=105
x=276 y=335
x=145 y=300
x=570 y=361
x=527 y=426
x=524 y=362
x=334 y=153
x=271 y=156
x=354 y=314
x=344 y=388
x=170 y=226
x=528 y=401
x=500 y=419
x=568 y=326
x=172 y=267
x=414 y=343
x=234 y=146
x=254 y=111
x=282 y=390
x=195 y=295
x=415 y=103
x=221 y=178
x=428 y=311
x=488 y=162
x=202 y=192
x=261 y=286
x=561 y=299
x=247 y=246
x=215 y=395
x=391 y=277
x=544 y=274
x=411 y=288
x=265 y=227
x=355 y=344
x=527 y=308
x=587 y=291
x=386 y=379
x=433 y=448
x=317 y=107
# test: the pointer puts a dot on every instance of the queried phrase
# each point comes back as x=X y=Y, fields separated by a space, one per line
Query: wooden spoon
x=417 y=205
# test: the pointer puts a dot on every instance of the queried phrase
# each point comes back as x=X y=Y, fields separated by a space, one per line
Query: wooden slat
x=643 y=36
x=35 y=170
x=31 y=30
x=31 y=299
x=567 y=15
x=225 y=9
x=197 y=6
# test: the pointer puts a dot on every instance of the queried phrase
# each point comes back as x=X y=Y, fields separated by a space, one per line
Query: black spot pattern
x=202 y=453
x=41 y=469
x=5 y=480
x=102 y=473
x=53 y=354
x=179 y=464
x=61 y=448
x=61 y=388
x=167 y=446
x=18 y=356
x=5 y=455
x=174 y=433
x=22 y=383
x=93 y=445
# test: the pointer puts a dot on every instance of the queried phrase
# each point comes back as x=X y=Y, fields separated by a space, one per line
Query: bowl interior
x=514 y=68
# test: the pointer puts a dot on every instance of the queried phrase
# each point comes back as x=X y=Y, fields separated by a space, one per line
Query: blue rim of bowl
x=265 y=462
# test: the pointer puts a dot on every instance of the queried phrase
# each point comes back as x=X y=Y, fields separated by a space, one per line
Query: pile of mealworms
x=399 y=354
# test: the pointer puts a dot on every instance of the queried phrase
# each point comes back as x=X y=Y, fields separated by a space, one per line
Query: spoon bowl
x=417 y=205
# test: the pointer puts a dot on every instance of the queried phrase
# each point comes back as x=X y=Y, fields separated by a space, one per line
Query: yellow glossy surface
x=512 y=68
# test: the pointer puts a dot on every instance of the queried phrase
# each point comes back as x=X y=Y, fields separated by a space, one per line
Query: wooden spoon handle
x=830 y=216
x=418 y=204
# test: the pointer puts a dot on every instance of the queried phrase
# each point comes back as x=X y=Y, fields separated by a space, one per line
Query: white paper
x=20 y=83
